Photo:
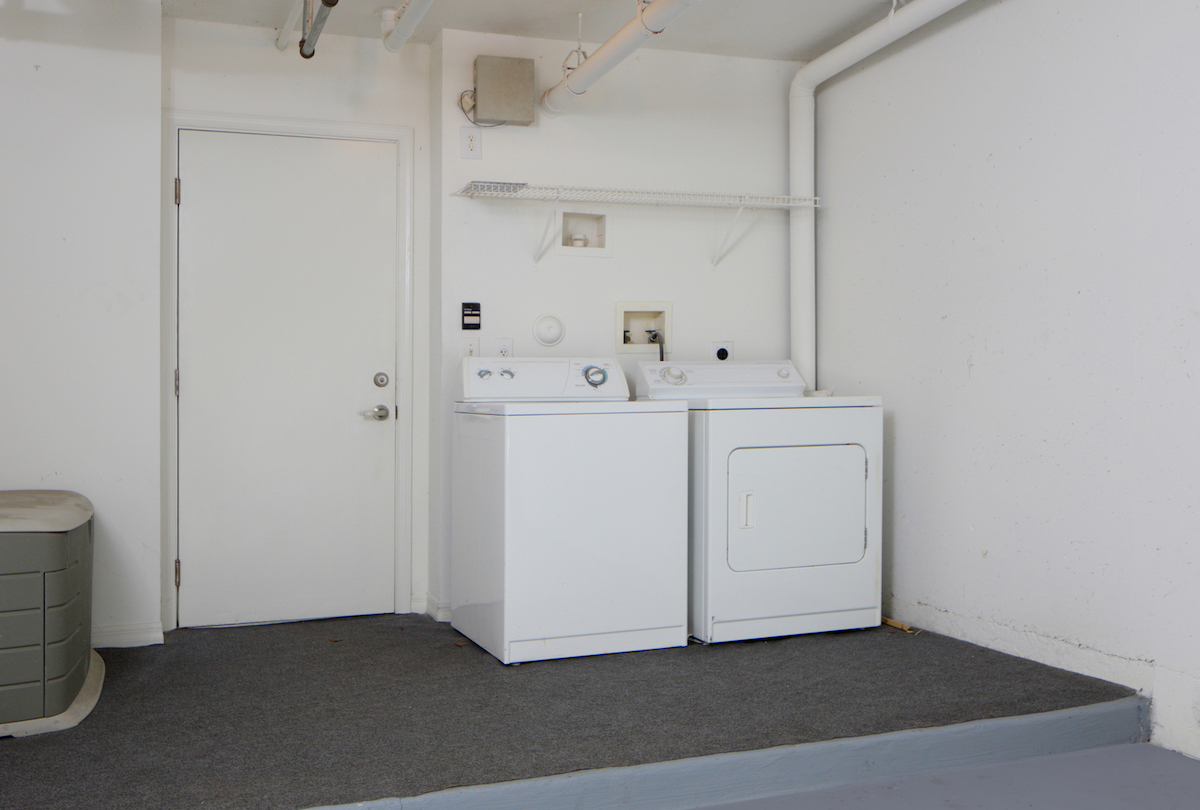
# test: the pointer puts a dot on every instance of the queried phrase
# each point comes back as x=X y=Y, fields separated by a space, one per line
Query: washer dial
x=595 y=376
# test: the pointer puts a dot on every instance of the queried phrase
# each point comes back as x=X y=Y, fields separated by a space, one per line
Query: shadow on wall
x=116 y=26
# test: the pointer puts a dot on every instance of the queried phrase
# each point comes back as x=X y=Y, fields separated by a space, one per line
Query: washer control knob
x=784 y=373
x=483 y=373
x=595 y=376
x=673 y=375
x=507 y=373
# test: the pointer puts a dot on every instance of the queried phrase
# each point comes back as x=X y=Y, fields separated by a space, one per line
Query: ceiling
x=796 y=30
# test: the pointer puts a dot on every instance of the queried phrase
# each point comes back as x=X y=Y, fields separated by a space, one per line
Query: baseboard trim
x=127 y=635
x=785 y=770
x=440 y=611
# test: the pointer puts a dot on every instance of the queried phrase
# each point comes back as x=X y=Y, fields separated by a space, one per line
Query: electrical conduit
x=308 y=45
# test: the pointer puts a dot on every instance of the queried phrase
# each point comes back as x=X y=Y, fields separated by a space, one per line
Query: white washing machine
x=786 y=495
x=569 y=524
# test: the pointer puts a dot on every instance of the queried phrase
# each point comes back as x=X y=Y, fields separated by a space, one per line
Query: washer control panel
x=717 y=379
x=541 y=379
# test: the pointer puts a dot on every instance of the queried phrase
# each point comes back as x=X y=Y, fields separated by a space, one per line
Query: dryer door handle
x=747 y=510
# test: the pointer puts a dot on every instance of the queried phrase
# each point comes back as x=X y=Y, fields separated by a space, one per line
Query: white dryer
x=786 y=495
x=569 y=524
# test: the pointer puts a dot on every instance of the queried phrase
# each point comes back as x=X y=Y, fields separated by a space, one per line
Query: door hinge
x=866 y=461
x=177 y=191
x=177 y=564
x=177 y=573
x=177 y=383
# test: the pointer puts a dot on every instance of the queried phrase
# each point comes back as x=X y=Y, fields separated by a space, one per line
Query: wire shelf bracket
x=547 y=234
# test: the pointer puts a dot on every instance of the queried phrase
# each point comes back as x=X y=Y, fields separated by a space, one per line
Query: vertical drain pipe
x=308 y=45
x=652 y=19
x=399 y=24
x=802 y=159
x=286 y=30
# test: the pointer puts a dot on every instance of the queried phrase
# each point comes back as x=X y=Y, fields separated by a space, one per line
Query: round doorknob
x=379 y=412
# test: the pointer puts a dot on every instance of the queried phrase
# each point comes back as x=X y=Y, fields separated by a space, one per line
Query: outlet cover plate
x=471 y=143
x=717 y=345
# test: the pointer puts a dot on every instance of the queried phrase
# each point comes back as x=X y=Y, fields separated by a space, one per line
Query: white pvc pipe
x=802 y=157
x=285 y=33
x=399 y=24
x=652 y=19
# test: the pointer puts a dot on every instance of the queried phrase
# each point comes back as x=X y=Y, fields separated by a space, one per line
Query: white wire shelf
x=624 y=196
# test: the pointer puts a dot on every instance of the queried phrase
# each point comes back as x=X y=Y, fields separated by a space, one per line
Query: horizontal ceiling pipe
x=652 y=19
x=802 y=119
x=399 y=24
x=308 y=45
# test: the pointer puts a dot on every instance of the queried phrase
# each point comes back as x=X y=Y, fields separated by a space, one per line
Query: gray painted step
x=1121 y=777
x=774 y=772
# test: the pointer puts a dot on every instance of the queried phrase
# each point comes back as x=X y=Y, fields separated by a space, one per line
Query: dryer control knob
x=783 y=372
x=673 y=375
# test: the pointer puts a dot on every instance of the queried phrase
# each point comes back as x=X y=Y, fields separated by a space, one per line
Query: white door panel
x=287 y=310
x=796 y=506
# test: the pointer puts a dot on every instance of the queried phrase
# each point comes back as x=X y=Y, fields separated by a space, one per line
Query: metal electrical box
x=504 y=91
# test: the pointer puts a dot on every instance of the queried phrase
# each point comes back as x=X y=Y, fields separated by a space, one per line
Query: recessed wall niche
x=584 y=234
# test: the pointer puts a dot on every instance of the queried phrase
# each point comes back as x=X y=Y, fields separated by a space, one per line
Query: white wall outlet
x=470 y=347
x=721 y=350
x=471 y=143
x=501 y=347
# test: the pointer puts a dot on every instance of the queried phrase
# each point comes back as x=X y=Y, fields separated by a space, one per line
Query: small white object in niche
x=583 y=233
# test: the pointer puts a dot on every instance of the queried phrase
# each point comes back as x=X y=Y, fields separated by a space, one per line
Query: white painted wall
x=79 y=284
x=227 y=70
x=661 y=120
x=1007 y=254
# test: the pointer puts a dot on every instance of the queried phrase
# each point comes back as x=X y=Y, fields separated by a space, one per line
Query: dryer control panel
x=541 y=379
x=717 y=379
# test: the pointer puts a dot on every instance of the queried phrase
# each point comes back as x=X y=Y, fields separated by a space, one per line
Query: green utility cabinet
x=45 y=601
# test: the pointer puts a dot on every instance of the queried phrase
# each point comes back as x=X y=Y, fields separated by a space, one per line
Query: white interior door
x=287 y=312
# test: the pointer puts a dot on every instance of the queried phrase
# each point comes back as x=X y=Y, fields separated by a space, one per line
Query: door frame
x=402 y=137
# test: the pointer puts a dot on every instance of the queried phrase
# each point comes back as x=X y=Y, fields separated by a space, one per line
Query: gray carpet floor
x=345 y=710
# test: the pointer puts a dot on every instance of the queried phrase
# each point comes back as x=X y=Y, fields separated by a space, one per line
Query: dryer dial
x=673 y=375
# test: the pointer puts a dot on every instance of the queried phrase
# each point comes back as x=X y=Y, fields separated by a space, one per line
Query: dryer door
x=791 y=507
